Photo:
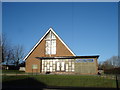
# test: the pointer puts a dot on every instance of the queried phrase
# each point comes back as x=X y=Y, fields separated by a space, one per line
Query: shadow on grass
x=27 y=83
x=32 y=84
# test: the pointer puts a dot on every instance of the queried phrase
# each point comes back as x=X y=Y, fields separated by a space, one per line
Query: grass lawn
x=60 y=80
x=12 y=72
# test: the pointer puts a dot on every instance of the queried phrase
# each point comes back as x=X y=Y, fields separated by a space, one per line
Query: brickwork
x=39 y=51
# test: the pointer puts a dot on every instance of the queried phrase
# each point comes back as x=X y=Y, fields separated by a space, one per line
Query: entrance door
x=60 y=66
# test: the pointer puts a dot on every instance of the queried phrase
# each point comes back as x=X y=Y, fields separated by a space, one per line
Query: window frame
x=50 y=48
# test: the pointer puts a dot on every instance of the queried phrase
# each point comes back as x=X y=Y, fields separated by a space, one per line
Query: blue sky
x=87 y=28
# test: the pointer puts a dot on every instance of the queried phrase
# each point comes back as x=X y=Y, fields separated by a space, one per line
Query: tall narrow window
x=53 y=50
x=50 y=43
x=47 y=47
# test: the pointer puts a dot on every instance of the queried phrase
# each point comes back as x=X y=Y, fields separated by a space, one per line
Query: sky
x=88 y=28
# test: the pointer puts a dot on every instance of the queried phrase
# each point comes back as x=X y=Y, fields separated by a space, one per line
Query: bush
x=13 y=67
x=112 y=71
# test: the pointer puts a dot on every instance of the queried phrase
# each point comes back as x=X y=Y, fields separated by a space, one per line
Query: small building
x=22 y=66
x=51 y=55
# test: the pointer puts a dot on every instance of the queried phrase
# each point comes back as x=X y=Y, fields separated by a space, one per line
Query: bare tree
x=18 y=54
x=107 y=65
x=6 y=49
x=11 y=54
x=100 y=65
x=112 y=62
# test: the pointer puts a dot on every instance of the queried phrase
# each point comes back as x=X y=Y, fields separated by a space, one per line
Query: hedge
x=112 y=71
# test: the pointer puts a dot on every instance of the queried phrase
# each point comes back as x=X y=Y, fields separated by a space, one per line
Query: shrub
x=112 y=71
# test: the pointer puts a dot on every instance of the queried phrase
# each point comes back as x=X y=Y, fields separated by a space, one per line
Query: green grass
x=62 y=80
x=12 y=72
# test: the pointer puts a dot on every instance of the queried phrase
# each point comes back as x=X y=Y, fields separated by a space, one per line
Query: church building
x=51 y=55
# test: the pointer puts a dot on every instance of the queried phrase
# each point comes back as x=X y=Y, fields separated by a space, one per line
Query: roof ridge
x=50 y=29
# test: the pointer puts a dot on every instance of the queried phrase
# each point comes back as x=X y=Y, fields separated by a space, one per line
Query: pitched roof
x=50 y=29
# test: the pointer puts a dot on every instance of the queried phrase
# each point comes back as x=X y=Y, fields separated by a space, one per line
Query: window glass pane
x=42 y=67
x=53 y=43
x=54 y=62
x=53 y=51
x=66 y=66
x=45 y=69
x=62 y=66
x=47 y=47
x=69 y=63
x=45 y=63
x=51 y=63
x=34 y=66
x=53 y=36
x=54 y=67
x=50 y=44
x=72 y=66
x=53 y=47
x=58 y=66
x=50 y=69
